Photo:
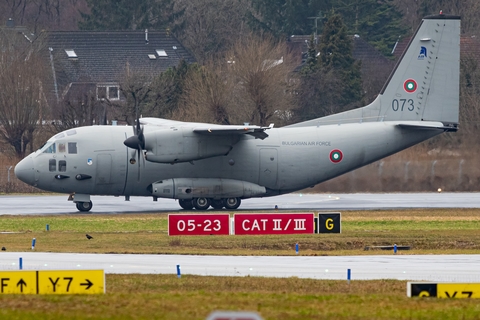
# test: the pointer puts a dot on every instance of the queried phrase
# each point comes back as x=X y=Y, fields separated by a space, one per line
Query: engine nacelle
x=188 y=188
x=182 y=145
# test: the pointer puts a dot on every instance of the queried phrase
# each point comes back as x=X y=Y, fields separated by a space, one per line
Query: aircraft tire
x=201 y=203
x=232 y=203
x=186 y=204
x=84 y=206
x=217 y=204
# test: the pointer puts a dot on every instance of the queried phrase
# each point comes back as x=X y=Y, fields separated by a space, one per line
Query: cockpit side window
x=52 y=165
x=62 y=165
x=61 y=147
x=72 y=147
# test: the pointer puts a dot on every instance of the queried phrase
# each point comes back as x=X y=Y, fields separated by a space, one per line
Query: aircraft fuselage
x=289 y=159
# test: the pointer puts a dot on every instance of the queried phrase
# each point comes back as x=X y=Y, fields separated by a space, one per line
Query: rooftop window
x=71 y=53
x=161 y=53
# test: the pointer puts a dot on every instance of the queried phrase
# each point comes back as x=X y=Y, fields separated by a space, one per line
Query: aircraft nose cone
x=25 y=171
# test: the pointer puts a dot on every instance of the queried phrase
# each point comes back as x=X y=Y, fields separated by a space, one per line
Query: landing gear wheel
x=217 y=204
x=232 y=203
x=201 y=203
x=186 y=204
x=84 y=206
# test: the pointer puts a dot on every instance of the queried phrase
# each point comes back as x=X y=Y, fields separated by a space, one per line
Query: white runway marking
x=449 y=268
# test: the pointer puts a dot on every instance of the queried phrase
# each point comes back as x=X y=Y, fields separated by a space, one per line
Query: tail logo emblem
x=410 y=85
x=423 y=53
x=336 y=156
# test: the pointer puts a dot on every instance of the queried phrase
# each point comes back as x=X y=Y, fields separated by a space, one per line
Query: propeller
x=137 y=142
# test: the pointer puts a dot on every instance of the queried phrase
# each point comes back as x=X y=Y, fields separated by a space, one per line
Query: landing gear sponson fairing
x=205 y=165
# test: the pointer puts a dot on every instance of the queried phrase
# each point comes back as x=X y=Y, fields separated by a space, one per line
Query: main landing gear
x=205 y=203
x=84 y=206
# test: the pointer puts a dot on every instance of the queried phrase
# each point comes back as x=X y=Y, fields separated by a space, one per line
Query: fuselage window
x=72 y=147
x=62 y=165
x=52 y=165
x=61 y=147
x=50 y=148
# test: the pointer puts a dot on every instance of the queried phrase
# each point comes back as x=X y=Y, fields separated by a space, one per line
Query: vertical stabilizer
x=424 y=86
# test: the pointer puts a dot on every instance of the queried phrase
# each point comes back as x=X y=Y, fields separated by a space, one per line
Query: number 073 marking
x=403 y=105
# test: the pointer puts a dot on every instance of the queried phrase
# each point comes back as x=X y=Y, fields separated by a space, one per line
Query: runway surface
x=18 y=205
x=447 y=268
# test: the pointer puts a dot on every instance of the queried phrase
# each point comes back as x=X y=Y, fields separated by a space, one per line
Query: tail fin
x=424 y=86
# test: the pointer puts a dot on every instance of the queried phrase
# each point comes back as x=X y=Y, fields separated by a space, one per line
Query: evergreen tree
x=336 y=52
x=377 y=21
x=311 y=64
x=167 y=90
x=285 y=17
x=126 y=14
x=334 y=84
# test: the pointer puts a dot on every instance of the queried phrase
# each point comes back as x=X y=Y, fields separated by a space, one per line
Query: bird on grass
x=4 y=249
x=88 y=236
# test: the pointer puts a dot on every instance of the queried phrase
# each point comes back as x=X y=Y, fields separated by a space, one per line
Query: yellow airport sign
x=22 y=282
x=71 y=282
x=52 y=282
x=458 y=290
x=443 y=290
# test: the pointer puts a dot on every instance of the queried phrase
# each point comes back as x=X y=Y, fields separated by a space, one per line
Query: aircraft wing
x=210 y=129
x=161 y=122
x=256 y=131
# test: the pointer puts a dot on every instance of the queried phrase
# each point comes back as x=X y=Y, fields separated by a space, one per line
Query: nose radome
x=25 y=171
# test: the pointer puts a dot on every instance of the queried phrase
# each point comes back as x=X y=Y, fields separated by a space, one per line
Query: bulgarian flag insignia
x=336 y=156
x=410 y=85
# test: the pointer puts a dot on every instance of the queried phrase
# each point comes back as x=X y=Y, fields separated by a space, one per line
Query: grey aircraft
x=206 y=165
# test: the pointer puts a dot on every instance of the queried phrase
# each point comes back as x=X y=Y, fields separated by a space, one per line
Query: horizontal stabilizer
x=424 y=125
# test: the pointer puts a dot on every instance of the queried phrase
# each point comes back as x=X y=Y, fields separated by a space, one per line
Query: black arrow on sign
x=88 y=284
x=21 y=283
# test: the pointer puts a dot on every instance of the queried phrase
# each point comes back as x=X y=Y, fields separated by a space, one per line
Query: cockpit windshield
x=53 y=145
x=49 y=147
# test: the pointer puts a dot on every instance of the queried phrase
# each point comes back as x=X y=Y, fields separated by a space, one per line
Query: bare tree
x=414 y=10
x=135 y=88
x=261 y=70
x=43 y=14
x=79 y=107
x=252 y=83
x=470 y=98
x=207 y=95
x=210 y=27
x=22 y=99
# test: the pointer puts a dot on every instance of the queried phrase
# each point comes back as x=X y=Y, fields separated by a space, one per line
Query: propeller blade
x=138 y=160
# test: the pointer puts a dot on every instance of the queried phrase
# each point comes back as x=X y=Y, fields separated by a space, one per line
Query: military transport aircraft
x=207 y=165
